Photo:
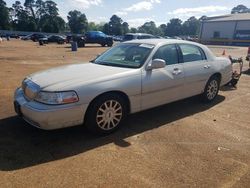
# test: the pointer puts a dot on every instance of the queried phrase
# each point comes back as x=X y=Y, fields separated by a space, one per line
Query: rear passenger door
x=196 y=67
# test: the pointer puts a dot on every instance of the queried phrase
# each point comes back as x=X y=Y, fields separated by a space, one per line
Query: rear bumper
x=48 y=117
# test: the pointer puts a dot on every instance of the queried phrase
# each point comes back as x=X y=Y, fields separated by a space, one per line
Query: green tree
x=4 y=16
x=150 y=28
x=125 y=28
x=21 y=19
x=92 y=26
x=49 y=20
x=162 y=28
x=115 y=25
x=203 y=18
x=78 y=22
x=133 y=30
x=240 y=9
x=191 y=26
x=106 y=29
x=174 y=27
x=37 y=16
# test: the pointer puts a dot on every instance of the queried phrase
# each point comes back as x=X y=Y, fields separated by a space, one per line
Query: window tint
x=191 y=53
x=167 y=53
x=144 y=37
x=128 y=37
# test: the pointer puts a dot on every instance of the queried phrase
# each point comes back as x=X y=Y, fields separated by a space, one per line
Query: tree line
x=43 y=16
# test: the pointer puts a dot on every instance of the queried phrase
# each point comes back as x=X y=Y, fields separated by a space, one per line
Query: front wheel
x=211 y=89
x=106 y=114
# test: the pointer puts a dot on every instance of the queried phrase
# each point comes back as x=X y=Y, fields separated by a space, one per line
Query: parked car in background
x=53 y=39
x=134 y=36
x=27 y=37
x=178 y=38
x=118 y=38
x=36 y=36
x=98 y=37
x=128 y=78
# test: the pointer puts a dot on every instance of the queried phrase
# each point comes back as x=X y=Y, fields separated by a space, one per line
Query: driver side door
x=164 y=85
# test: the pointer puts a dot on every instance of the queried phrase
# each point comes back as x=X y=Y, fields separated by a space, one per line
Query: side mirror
x=156 y=64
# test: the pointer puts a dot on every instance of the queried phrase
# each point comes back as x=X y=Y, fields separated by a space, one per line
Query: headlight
x=57 y=97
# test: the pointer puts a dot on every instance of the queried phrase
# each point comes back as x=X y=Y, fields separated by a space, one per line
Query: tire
x=81 y=44
x=211 y=90
x=103 y=45
x=106 y=114
x=110 y=44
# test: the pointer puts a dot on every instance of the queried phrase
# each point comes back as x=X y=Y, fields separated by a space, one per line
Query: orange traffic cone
x=224 y=52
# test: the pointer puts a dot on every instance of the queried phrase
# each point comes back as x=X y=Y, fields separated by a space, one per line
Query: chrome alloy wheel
x=109 y=115
x=212 y=89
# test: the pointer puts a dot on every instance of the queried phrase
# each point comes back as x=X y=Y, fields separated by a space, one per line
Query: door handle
x=207 y=67
x=176 y=71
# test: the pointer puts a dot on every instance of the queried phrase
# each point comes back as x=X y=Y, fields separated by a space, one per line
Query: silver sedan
x=128 y=78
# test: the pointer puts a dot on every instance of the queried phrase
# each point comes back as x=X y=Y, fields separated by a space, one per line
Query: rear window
x=192 y=53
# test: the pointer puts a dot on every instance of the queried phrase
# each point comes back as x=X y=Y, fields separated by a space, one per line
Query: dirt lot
x=183 y=144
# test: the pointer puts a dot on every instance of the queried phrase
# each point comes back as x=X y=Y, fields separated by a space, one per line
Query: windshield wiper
x=112 y=64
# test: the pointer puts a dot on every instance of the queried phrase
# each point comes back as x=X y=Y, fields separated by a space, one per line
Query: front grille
x=30 y=89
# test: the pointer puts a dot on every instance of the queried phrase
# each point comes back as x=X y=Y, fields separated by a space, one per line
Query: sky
x=137 y=12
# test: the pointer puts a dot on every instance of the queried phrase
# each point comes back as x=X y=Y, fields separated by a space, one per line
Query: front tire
x=106 y=114
x=211 y=89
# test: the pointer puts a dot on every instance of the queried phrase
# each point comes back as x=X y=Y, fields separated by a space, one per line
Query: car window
x=168 y=53
x=191 y=53
x=144 y=37
x=128 y=37
x=126 y=55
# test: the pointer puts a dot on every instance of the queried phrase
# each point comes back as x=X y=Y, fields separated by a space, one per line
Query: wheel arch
x=120 y=93
x=218 y=75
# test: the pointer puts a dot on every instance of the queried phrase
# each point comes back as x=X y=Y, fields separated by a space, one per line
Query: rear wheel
x=211 y=89
x=106 y=114
x=110 y=44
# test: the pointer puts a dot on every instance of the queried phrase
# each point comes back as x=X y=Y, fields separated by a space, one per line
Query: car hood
x=64 y=76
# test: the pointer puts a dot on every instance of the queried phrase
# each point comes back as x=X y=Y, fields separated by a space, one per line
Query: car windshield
x=125 y=55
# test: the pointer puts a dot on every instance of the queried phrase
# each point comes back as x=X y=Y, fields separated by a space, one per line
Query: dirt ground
x=183 y=144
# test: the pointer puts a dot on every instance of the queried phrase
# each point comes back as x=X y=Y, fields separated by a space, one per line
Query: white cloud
x=136 y=22
x=143 y=5
x=121 y=13
x=85 y=4
x=198 y=10
x=100 y=19
x=185 y=13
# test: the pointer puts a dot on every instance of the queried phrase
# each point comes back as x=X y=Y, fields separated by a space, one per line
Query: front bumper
x=48 y=117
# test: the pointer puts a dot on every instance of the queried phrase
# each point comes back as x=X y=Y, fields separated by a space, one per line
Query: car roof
x=162 y=42
x=139 y=34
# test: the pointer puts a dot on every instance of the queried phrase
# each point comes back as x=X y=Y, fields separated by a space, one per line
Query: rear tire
x=211 y=90
x=110 y=44
x=106 y=114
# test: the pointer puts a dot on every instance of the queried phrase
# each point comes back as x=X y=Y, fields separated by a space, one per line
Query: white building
x=227 y=29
